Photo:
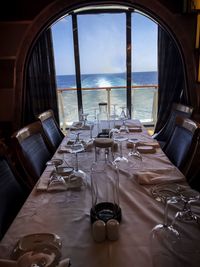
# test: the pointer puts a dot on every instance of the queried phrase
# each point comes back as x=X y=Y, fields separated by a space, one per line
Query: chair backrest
x=165 y=133
x=182 y=143
x=51 y=128
x=32 y=150
x=11 y=194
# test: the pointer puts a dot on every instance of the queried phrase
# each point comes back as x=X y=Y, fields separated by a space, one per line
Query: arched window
x=106 y=55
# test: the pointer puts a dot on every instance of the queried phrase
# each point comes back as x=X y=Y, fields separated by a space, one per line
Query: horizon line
x=106 y=73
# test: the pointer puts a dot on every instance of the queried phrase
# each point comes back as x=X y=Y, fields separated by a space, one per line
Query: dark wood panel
x=7 y=73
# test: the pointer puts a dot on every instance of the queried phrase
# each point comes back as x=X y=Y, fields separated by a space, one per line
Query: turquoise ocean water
x=142 y=99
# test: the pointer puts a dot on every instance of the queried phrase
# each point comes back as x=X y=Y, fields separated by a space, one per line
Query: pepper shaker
x=99 y=231
x=112 y=229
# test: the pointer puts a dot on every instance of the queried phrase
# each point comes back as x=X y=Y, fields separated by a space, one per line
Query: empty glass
x=119 y=137
x=55 y=163
x=105 y=192
x=113 y=114
x=75 y=149
x=134 y=152
x=164 y=237
x=123 y=117
x=103 y=120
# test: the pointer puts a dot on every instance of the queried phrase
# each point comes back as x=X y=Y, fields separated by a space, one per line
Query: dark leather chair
x=182 y=145
x=51 y=128
x=12 y=195
x=32 y=150
x=165 y=133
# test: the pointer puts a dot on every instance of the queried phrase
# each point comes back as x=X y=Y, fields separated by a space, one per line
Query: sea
x=143 y=99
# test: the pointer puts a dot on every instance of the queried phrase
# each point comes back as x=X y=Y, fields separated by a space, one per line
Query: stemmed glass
x=170 y=241
x=164 y=238
x=76 y=146
x=124 y=116
x=55 y=178
x=114 y=115
x=75 y=149
x=134 y=152
x=55 y=163
x=187 y=196
x=120 y=137
x=166 y=230
x=84 y=118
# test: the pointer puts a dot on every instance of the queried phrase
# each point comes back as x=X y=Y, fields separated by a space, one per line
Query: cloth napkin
x=140 y=143
x=170 y=175
x=66 y=148
x=79 y=126
x=135 y=129
x=46 y=183
x=153 y=144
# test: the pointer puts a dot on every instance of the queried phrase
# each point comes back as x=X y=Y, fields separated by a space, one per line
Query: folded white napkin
x=168 y=175
x=66 y=148
x=134 y=129
x=150 y=143
x=46 y=183
x=79 y=126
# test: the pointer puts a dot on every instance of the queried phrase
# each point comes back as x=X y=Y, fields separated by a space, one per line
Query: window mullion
x=128 y=61
x=77 y=63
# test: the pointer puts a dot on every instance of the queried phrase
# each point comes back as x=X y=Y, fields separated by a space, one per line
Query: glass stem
x=165 y=222
x=76 y=167
x=121 y=150
x=90 y=131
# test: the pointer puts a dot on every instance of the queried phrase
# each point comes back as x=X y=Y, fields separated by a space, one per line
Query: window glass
x=144 y=67
x=65 y=69
x=102 y=49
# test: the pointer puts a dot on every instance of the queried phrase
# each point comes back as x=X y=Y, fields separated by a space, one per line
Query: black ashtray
x=105 y=211
x=104 y=134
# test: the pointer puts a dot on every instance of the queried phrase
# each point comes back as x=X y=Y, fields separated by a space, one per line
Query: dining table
x=66 y=213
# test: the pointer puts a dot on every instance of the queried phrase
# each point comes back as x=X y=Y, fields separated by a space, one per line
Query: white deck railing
x=68 y=103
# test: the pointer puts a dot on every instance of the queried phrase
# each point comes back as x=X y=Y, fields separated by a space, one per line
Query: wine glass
x=55 y=177
x=75 y=149
x=164 y=237
x=123 y=117
x=55 y=163
x=119 y=137
x=187 y=196
x=165 y=228
x=114 y=115
x=84 y=118
x=134 y=152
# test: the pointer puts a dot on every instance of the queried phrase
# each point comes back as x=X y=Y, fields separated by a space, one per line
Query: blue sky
x=102 y=44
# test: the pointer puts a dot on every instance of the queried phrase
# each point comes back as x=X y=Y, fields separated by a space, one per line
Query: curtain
x=40 y=90
x=171 y=78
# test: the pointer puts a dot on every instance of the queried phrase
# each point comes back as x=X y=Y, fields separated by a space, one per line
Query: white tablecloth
x=68 y=215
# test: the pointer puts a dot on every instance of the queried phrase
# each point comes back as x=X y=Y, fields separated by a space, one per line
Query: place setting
x=170 y=242
x=63 y=177
x=37 y=250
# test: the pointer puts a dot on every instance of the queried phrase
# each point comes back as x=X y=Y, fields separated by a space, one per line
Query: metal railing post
x=108 y=100
x=155 y=106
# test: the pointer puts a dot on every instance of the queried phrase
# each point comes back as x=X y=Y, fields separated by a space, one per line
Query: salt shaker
x=112 y=229
x=99 y=231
